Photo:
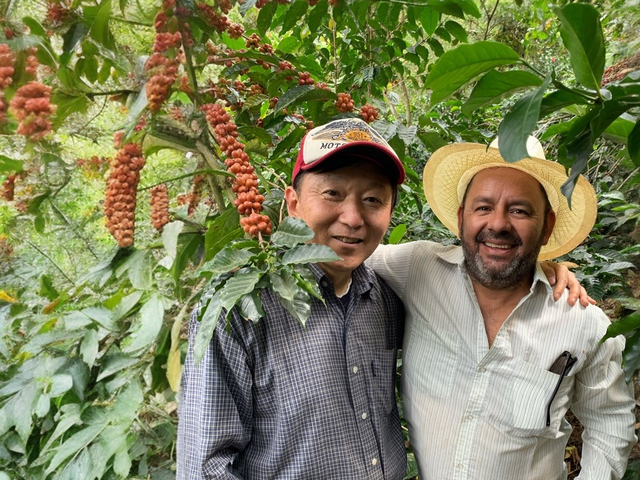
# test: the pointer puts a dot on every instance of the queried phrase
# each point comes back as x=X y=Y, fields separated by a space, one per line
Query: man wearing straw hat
x=491 y=368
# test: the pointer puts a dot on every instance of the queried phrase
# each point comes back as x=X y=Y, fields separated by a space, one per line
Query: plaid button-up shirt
x=278 y=401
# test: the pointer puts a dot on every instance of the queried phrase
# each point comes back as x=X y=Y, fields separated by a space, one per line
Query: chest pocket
x=431 y=360
x=524 y=412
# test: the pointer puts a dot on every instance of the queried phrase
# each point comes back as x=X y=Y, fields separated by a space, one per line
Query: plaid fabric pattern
x=278 y=401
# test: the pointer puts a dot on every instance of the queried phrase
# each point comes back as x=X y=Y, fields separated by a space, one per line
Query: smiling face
x=349 y=210
x=503 y=223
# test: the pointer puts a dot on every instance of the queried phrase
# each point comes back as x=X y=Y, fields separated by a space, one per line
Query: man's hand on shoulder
x=560 y=278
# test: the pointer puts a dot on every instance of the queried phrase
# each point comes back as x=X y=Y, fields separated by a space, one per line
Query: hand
x=560 y=278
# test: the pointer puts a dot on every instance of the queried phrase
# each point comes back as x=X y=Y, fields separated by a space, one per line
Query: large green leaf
x=309 y=253
x=518 y=124
x=494 y=86
x=145 y=330
x=633 y=144
x=292 y=231
x=581 y=33
x=632 y=356
x=624 y=325
x=295 y=12
x=457 y=67
x=560 y=99
x=226 y=260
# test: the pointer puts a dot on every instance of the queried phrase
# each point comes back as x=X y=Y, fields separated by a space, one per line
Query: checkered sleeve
x=215 y=410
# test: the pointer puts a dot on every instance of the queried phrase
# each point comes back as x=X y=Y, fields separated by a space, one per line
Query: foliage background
x=92 y=334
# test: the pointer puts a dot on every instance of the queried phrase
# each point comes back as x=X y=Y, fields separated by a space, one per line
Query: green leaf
x=633 y=144
x=407 y=134
x=9 y=164
x=457 y=67
x=292 y=231
x=518 y=124
x=309 y=253
x=227 y=260
x=397 y=233
x=206 y=327
x=560 y=99
x=102 y=316
x=295 y=12
x=170 y=234
x=250 y=307
x=98 y=18
x=284 y=284
x=115 y=363
x=494 y=86
x=581 y=33
x=146 y=328
x=73 y=445
x=317 y=16
x=457 y=30
x=625 y=325
x=632 y=356
x=303 y=93
x=265 y=17
x=89 y=347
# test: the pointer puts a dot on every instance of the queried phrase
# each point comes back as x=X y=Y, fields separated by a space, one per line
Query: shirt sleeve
x=392 y=263
x=604 y=404
x=215 y=407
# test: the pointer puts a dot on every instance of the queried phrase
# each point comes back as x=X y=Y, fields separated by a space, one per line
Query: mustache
x=486 y=236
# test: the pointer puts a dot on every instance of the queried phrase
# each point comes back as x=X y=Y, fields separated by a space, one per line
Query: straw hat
x=450 y=169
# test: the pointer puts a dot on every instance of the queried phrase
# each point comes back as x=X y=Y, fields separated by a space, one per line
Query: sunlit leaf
x=581 y=33
x=309 y=253
x=455 y=68
x=146 y=328
x=494 y=86
x=227 y=260
x=292 y=231
x=518 y=125
x=624 y=325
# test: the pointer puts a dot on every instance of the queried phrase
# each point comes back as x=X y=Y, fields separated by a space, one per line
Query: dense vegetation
x=144 y=147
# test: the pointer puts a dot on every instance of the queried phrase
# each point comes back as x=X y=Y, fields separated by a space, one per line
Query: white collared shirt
x=479 y=413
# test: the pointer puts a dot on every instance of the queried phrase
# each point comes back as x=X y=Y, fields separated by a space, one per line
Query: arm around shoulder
x=215 y=408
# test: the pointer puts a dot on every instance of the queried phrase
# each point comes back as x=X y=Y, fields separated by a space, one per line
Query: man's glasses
x=561 y=366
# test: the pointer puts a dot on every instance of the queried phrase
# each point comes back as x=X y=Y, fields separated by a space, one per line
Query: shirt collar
x=363 y=278
x=455 y=256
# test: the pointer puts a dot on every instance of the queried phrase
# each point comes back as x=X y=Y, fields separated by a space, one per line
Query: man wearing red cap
x=275 y=400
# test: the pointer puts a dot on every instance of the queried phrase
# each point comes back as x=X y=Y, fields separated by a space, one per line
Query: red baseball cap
x=351 y=135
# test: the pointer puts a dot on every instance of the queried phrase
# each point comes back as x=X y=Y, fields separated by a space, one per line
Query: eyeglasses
x=561 y=366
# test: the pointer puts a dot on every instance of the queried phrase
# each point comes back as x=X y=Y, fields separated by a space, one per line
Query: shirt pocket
x=383 y=367
x=529 y=390
x=431 y=360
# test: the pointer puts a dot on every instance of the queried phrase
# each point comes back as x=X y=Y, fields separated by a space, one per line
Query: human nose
x=499 y=221
x=351 y=214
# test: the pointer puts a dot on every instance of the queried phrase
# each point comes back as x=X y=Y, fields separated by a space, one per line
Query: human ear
x=291 y=197
x=549 y=224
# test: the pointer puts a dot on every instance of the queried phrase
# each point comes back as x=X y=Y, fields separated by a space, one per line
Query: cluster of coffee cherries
x=120 y=197
x=31 y=106
x=159 y=206
x=56 y=13
x=7 y=60
x=369 y=113
x=249 y=200
x=344 y=103
x=162 y=65
x=9 y=187
x=6 y=251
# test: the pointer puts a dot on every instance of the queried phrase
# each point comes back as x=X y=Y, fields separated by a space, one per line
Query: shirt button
x=482 y=370
x=374 y=461
x=469 y=417
x=459 y=466
x=324 y=284
x=364 y=416
x=355 y=369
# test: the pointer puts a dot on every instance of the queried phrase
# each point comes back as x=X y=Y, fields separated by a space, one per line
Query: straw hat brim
x=451 y=168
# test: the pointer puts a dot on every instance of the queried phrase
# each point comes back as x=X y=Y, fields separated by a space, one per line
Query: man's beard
x=511 y=275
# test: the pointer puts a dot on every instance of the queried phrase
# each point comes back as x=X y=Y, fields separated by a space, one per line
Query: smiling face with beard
x=503 y=223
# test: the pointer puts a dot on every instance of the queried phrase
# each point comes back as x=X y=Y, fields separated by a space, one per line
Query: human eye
x=520 y=212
